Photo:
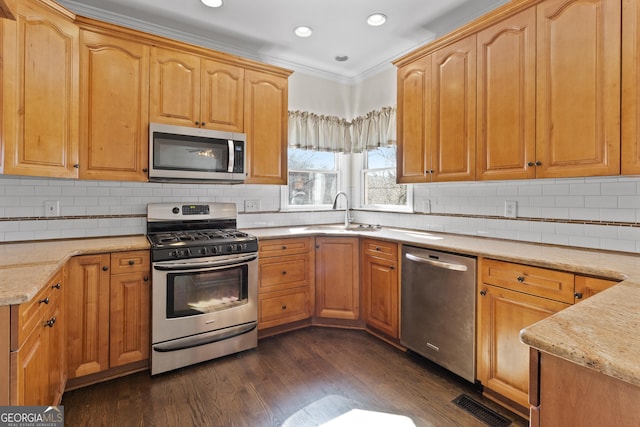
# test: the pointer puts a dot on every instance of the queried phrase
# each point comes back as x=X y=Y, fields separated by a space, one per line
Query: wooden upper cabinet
x=189 y=90
x=222 y=96
x=630 y=87
x=506 y=98
x=7 y=9
x=40 y=91
x=115 y=108
x=175 y=87
x=578 y=88
x=414 y=114
x=265 y=106
x=453 y=112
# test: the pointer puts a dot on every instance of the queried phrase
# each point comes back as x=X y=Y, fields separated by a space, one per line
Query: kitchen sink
x=336 y=228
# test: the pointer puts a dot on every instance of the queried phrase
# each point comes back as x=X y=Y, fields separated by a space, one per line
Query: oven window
x=193 y=293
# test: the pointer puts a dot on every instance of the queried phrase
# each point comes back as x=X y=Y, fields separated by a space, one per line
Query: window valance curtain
x=311 y=131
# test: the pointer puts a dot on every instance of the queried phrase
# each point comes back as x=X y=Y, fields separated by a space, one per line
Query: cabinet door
x=265 y=104
x=506 y=98
x=630 y=87
x=30 y=379
x=414 y=114
x=87 y=314
x=57 y=359
x=578 y=88
x=586 y=287
x=503 y=361
x=129 y=320
x=174 y=88
x=40 y=92
x=337 y=278
x=453 y=112
x=222 y=98
x=380 y=286
x=114 y=111
x=7 y=9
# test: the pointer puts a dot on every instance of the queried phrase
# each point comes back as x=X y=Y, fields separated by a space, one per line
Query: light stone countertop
x=601 y=333
x=26 y=267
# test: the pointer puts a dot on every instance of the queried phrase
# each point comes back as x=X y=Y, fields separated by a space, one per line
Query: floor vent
x=481 y=412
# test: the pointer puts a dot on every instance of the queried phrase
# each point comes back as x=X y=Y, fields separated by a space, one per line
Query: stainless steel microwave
x=184 y=154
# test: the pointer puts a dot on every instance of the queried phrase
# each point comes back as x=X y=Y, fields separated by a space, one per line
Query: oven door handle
x=195 y=265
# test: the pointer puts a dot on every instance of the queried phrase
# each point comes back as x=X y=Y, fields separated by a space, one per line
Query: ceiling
x=263 y=30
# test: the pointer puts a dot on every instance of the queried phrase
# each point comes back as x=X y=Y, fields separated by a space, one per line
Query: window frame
x=361 y=185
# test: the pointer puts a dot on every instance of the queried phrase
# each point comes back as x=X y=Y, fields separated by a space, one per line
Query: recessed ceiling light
x=212 y=3
x=303 y=31
x=376 y=19
x=342 y=58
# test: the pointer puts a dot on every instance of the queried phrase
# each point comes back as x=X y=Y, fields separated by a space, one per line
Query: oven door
x=196 y=296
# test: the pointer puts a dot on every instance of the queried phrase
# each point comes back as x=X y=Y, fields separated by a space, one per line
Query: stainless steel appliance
x=184 y=154
x=439 y=308
x=204 y=301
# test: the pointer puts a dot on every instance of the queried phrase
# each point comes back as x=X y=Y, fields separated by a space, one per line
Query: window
x=313 y=179
x=379 y=188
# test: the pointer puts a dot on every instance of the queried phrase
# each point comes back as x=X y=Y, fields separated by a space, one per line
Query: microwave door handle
x=231 y=156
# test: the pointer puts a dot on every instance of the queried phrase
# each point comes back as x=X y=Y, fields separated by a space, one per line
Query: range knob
x=173 y=254
x=176 y=210
x=203 y=251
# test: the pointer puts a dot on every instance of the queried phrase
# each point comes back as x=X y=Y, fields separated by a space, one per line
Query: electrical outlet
x=510 y=207
x=251 y=205
x=52 y=208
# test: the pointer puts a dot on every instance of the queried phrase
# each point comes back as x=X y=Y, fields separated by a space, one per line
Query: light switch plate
x=510 y=207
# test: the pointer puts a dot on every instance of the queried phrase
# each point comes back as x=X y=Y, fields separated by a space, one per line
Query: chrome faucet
x=347 y=218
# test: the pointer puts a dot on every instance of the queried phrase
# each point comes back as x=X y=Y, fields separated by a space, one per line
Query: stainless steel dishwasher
x=438 y=314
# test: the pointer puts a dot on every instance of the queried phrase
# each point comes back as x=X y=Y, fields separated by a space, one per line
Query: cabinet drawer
x=277 y=308
x=552 y=284
x=380 y=249
x=284 y=272
x=586 y=286
x=129 y=262
x=279 y=247
x=32 y=313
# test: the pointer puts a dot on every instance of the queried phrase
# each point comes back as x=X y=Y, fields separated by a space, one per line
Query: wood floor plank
x=286 y=373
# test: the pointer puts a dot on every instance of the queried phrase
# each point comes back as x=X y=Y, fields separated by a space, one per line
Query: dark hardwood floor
x=267 y=385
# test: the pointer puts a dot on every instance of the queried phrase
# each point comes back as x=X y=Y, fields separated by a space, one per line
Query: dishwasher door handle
x=441 y=264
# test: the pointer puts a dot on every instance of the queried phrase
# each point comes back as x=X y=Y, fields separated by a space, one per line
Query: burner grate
x=481 y=412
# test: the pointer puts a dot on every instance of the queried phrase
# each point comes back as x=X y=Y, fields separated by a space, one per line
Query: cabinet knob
x=56 y=286
x=392 y=268
x=145 y=278
x=45 y=301
x=578 y=295
x=105 y=268
x=145 y=170
x=538 y=163
x=483 y=292
x=131 y=262
x=197 y=123
x=284 y=247
x=520 y=279
x=378 y=248
x=530 y=164
x=77 y=166
x=284 y=272
x=50 y=322
x=284 y=306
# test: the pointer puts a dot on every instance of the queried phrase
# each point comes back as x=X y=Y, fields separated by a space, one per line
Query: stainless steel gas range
x=205 y=284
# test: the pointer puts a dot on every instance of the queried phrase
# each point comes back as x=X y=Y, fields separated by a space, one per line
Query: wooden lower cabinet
x=337 y=278
x=38 y=365
x=381 y=302
x=285 y=281
x=108 y=310
x=569 y=395
x=503 y=361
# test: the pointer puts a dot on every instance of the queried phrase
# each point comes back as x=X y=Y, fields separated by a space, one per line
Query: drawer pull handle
x=392 y=268
x=284 y=306
x=578 y=295
x=284 y=247
x=50 y=322
x=483 y=292
x=520 y=279
x=46 y=300
x=56 y=286
x=378 y=248
x=284 y=272
x=105 y=268
x=131 y=262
